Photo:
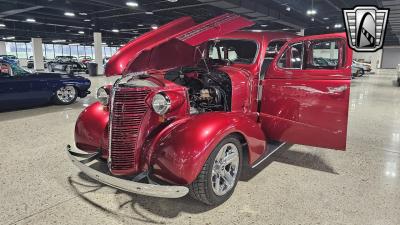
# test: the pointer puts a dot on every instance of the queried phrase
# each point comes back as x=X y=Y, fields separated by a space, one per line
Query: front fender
x=91 y=129
x=180 y=153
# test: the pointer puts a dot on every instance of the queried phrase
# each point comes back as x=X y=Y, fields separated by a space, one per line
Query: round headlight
x=102 y=96
x=161 y=103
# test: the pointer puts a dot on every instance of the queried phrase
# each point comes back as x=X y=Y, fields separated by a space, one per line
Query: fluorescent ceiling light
x=325 y=18
x=288 y=8
x=82 y=14
x=154 y=27
x=140 y=25
x=9 y=38
x=312 y=19
x=132 y=4
x=115 y=30
x=81 y=32
x=264 y=25
x=30 y=20
x=86 y=20
x=149 y=13
x=2 y=25
x=285 y=29
x=338 y=25
x=58 y=41
x=172 y=0
x=311 y=12
x=69 y=14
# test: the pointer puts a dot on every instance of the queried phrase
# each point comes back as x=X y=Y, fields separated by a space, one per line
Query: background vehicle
x=67 y=64
x=189 y=123
x=21 y=89
x=364 y=67
x=85 y=59
x=11 y=58
x=30 y=64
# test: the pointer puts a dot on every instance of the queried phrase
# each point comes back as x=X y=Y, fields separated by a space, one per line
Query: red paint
x=298 y=106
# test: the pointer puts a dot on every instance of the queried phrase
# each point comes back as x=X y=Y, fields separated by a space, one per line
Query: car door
x=304 y=101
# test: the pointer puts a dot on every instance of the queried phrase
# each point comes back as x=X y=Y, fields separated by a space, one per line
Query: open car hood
x=171 y=45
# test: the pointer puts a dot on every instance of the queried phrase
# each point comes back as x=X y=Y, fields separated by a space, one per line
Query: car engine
x=208 y=90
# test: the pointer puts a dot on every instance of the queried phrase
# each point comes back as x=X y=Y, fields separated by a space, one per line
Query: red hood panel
x=183 y=30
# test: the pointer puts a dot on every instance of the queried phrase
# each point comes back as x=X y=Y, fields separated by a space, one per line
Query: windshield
x=234 y=51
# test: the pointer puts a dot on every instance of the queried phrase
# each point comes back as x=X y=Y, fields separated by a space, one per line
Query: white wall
x=374 y=57
x=391 y=57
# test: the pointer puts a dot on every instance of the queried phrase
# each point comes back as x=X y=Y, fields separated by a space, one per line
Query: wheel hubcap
x=225 y=168
x=66 y=94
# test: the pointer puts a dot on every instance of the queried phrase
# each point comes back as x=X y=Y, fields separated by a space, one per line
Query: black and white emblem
x=365 y=26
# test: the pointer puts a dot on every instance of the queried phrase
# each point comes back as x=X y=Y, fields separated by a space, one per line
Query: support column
x=37 y=49
x=98 y=53
x=3 y=50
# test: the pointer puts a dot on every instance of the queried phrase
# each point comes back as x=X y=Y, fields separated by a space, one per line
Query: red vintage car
x=197 y=102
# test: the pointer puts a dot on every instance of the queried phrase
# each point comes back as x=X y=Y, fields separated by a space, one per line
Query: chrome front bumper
x=154 y=190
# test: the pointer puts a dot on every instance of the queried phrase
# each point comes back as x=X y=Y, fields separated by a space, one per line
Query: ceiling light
x=9 y=38
x=82 y=14
x=58 y=41
x=115 y=30
x=154 y=27
x=172 y=0
x=325 y=18
x=81 y=32
x=30 y=20
x=69 y=14
x=132 y=4
x=264 y=25
x=86 y=20
x=311 y=12
x=327 y=27
x=68 y=30
x=312 y=19
x=285 y=29
x=140 y=25
x=288 y=8
x=338 y=25
x=149 y=13
x=74 y=44
x=93 y=25
x=2 y=25
x=103 y=43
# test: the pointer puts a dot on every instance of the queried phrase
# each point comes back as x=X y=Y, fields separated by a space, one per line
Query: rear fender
x=178 y=155
x=91 y=129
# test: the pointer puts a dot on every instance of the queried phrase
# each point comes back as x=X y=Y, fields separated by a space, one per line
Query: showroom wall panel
x=390 y=57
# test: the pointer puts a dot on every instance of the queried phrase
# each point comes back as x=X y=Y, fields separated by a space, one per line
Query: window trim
x=340 y=65
x=241 y=39
x=284 y=52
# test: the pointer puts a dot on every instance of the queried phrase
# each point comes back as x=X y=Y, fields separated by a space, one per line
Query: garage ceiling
x=108 y=15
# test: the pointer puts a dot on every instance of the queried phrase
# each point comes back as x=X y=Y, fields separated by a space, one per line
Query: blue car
x=22 y=89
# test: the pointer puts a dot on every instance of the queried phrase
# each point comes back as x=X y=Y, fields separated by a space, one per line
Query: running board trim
x=284 y=144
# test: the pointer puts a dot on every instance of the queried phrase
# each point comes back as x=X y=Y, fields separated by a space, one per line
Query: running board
x=272 y=148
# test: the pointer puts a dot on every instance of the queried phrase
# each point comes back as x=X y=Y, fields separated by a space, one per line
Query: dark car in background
x=20 y=88
x=11 y=58
x=30 y=64
x=66 y=64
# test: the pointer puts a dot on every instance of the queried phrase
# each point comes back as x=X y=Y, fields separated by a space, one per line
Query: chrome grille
x=128 y=109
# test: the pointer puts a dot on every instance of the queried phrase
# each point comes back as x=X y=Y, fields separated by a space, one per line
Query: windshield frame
x=238 y=39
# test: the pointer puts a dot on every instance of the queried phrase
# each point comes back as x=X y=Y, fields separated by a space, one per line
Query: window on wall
x=88 y=51
x=74 y=50
x=107 y=52
x=323 y=54
x=66 y=50
x=292 y=58
x=81 y=50
x=29 y=49
x=21 y=50
x=49 y=51
x=58 y=51
x=11 y=48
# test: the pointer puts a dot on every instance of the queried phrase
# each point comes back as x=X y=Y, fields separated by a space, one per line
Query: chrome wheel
x=66 y=94
x=225 y=169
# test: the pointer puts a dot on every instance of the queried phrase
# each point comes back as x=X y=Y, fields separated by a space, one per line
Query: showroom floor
x=304 y=185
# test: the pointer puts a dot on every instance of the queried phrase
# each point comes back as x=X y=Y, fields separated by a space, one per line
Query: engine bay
x=208 y=90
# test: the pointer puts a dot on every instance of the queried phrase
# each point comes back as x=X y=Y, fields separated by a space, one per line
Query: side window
x=272 y=49
x=324 y=54
x=292 y=58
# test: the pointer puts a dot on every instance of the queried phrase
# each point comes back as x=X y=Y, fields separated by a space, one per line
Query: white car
x=365 y=67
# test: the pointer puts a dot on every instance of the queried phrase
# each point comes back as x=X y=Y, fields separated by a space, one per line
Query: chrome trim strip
x=269 y=154
x=162 y=191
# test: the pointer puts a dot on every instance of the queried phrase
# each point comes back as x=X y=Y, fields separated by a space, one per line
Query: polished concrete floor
x=303 y=185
